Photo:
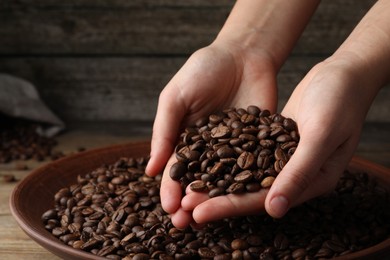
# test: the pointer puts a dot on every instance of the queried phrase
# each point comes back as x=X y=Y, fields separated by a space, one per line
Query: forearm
x=271 y=26
x=367 y=50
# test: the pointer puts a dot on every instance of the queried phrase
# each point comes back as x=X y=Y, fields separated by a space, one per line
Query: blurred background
x=108 y=60
x=104 y=62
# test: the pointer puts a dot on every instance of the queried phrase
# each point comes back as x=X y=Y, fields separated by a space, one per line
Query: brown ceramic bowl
x=35 y=194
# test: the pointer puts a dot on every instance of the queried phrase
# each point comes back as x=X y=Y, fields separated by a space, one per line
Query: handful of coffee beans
x=235 y=151
x=115 y=212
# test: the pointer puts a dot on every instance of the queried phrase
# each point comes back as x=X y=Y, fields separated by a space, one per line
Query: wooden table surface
x=15 y=244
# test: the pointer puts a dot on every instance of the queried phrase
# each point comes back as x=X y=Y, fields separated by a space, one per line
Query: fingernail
x=279 y=206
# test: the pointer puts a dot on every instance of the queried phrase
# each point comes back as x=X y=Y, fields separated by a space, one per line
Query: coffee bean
x=252 y=187
x=334 y=245
x=247 y=119
x=277 y=131
x=178 y=170
x=267 y=182
x=245 y=160
x=253 y=110
x=280 y=155
x=198 y=186
x=279 y=165
x=267 y=143
x=244 y=176
x=263 y=162
x=206 y=253
x=218 y=168
x=220 y=132
x=281 y=241
x=225 y=152
x=299 y=253
x=239 y=244
x=236 y=188
x=289 y=124
x=216 y=192
x=216 y=118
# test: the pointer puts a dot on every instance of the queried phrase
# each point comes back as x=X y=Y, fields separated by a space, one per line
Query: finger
x=192 y=199
x=298 y=174
x=170 y=190
x=330 y=172
x=181 y=218
x=170 y=113
x=228 y=206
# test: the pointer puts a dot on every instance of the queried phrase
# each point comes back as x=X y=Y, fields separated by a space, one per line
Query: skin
x=239 y=69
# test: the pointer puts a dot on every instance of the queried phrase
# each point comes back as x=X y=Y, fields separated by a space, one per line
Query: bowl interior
x=35 y=194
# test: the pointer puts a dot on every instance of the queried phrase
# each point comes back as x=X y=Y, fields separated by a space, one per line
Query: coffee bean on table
x=19 y=140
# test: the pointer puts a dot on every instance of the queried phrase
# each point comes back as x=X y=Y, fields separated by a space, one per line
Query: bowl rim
x=60 y=249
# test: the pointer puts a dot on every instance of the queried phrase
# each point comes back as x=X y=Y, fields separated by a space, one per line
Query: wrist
x=359 y=69
x=347 y=78
x=270 y=27
x=252 y=42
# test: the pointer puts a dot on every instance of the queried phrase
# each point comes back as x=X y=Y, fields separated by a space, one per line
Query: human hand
x=329 y=112
x=329 y=106
x=213 y=78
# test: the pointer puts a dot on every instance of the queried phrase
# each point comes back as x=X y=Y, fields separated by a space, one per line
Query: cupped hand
x=329 y=106
x=215 y=77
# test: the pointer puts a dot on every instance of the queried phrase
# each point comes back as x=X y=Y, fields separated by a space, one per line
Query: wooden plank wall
x=108 y=60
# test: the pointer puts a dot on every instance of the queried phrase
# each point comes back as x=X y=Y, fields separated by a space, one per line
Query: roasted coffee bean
x=178 y=170
x=253 y=110
x=249 y=146
x=239 y=244
x=198 y=186
x=225 y=152
x=254 y=240
x=216 y=192
x=247 y=137
x=245 y=160
x=299 y=253
x=248 y=119
x=220 y=132
x=280 y=155
x=283 y=138
x=206 y=253
x=289 y=124
x=278 y=165
x=244 y=176
x=281 y=241
x=267 y=182
x=252 y=187
x=217 y=169
x=267 y=143
x=236 y=188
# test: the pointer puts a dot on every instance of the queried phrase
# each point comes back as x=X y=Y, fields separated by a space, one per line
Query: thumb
x=297 y=175
x=165 y=130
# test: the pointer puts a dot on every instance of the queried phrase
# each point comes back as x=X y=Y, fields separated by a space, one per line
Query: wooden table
x=15 y=244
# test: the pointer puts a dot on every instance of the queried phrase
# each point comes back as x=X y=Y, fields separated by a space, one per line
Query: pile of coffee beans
x=235 y=151
x=115 y=212
x=19 y=140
